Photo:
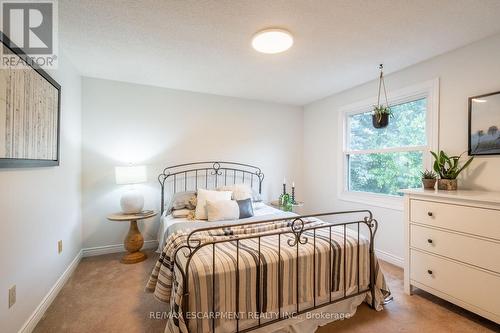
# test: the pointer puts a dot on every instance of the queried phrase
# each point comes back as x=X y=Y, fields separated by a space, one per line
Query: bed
x=265 y=273
x=170 y=224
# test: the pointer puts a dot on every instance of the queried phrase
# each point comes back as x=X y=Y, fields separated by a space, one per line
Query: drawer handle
x=429 y=213
x=429 y=241
x=429 y=271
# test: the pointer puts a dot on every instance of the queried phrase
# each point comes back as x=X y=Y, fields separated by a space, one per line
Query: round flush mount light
x=272 y=41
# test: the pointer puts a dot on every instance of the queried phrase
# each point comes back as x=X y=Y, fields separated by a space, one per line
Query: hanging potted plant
x=381 y=113
x=448 y=168
x=380 y=117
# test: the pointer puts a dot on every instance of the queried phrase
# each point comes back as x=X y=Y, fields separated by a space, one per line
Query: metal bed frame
x=297 y=228
x=230 y=172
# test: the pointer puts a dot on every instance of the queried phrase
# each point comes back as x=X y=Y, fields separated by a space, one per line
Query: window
x=380 y=162
x=388 y=159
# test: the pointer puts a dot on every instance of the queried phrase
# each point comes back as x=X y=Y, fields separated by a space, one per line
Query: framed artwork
x=484 y=124
x=30 y=112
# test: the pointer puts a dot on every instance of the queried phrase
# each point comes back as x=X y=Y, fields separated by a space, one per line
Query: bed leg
x=372 y=277
x=373 y=226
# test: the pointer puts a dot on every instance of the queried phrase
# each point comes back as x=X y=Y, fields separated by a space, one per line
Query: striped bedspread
x=254 y=288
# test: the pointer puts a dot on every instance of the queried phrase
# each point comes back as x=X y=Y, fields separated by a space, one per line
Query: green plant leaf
x=465 y=165
x=448 y=167
x=442 y=155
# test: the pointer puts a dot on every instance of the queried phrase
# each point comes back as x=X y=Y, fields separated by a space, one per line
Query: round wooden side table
x=134 y=240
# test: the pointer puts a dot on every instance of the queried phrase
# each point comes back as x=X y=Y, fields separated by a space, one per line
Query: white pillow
x=240 y=191
x=177 y=213
x=203 y=196
x=222 y=210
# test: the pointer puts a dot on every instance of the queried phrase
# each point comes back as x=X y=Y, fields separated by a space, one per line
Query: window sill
x=373 y=199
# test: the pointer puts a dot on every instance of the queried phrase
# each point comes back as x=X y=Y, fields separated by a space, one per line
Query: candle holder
x=283 y=197
x=293 y=196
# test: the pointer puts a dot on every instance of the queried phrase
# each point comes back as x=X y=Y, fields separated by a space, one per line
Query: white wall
x=38 y=207
x=159 y=127
x=465 y=72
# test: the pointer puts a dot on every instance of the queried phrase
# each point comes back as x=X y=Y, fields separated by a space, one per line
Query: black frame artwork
x=54 y=143
x=491 y=143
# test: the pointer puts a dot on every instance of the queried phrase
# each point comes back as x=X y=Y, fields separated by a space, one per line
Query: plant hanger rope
x=381 y=83
x=381 y=113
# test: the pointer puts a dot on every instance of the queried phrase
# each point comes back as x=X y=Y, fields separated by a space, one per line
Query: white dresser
x=452 y=242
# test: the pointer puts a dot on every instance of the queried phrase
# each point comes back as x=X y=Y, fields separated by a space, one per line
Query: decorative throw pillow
x=203 y=196
x=181 y=200
x=240 y=191
x=177 y=213
x=222 y=210
x=245 y=208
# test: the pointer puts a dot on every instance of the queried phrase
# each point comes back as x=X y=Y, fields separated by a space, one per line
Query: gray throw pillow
x=246 y=208
x=182 y=200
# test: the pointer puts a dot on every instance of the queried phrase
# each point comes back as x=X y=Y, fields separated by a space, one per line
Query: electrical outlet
x=59 y=246
x=12 y=296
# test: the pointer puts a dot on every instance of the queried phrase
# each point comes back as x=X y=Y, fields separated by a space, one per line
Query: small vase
x=384 y=121
x=429 y=184
x=447 y=184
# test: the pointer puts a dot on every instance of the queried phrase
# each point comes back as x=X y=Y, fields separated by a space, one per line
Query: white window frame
x=429 y=90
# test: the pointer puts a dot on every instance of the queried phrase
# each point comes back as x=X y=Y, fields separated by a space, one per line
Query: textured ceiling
x=205 y=46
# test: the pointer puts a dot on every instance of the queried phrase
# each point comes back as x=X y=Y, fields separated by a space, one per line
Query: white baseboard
x=100 y=250
x=390 y=258
x=35 y=317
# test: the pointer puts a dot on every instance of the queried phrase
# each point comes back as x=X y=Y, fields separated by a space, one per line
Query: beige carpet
x=106 y=296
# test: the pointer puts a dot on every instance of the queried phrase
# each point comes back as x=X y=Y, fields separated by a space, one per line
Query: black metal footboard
x=300 y=234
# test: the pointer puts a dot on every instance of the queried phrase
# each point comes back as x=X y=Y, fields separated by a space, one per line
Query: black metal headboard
x=191 y=176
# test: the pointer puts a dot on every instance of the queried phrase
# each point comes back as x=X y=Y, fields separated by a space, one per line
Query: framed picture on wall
x=484 y=124
x=30 y=111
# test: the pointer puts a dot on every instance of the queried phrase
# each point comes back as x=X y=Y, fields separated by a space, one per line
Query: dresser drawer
x=477 y=252
x=462 y=282
x=472 y=220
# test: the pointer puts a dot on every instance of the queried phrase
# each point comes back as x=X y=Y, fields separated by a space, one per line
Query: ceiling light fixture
x=272 y=41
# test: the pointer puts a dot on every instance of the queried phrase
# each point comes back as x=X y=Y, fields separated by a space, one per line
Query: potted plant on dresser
x=429 y=179
x=448 y=168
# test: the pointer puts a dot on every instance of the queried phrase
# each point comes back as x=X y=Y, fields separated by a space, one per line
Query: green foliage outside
x=389 y=172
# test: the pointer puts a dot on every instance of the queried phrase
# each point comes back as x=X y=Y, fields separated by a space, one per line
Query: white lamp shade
x=130 y=174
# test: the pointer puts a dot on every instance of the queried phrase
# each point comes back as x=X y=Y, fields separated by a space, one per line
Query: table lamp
x=132 y=201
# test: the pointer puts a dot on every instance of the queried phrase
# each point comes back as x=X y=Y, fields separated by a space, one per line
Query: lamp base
x=132 y=202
